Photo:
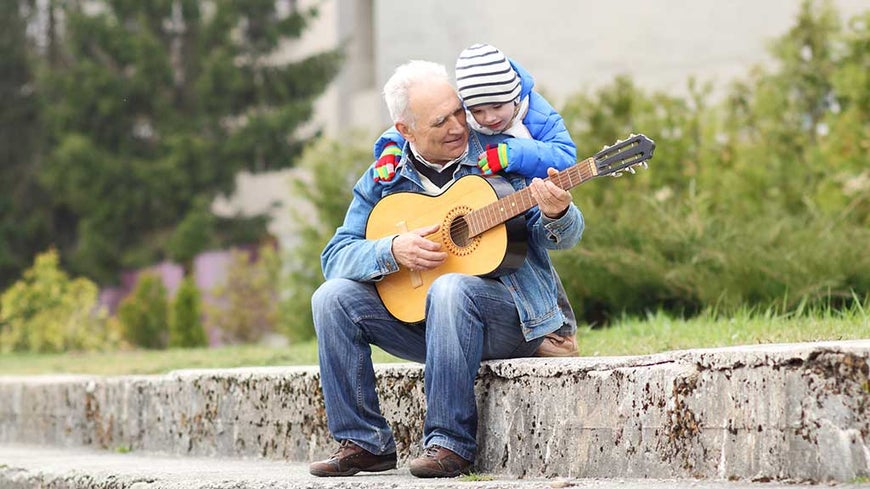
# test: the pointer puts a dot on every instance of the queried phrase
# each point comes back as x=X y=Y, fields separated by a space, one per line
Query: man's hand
x=415 y=252
x=552 y=200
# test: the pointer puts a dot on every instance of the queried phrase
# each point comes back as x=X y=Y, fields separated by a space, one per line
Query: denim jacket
x=533 y=286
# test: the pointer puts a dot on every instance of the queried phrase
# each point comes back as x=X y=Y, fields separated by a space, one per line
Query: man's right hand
x=415 y=252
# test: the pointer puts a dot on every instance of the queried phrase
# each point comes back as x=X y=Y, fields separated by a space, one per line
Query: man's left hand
x=552 y=200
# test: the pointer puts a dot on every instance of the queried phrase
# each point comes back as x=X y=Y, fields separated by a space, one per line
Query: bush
x=683 y=257
x=246 y=305
x=143 y=314
x=185 y=322
x=46 y=311
x=760 y=200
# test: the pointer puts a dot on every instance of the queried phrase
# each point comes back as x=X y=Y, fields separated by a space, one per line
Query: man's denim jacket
x=349 y=255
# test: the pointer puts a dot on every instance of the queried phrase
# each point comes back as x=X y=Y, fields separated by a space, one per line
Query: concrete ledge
x=768 y=412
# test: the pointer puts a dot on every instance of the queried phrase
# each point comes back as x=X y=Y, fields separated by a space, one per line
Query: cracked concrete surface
x=26 y=467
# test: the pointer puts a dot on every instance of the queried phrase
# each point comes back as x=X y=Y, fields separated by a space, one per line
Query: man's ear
x=405 y=132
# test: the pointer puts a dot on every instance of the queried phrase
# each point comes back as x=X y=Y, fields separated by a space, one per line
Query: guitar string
x=495 y=213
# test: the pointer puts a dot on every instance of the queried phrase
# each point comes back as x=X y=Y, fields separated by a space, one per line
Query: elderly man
x=467 y=318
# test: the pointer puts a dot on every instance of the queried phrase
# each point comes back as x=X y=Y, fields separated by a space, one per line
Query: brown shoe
x=439 y=462
x=558 y=346
x=351 y=458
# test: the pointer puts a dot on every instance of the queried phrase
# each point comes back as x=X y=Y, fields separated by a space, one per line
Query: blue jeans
x=468 y=319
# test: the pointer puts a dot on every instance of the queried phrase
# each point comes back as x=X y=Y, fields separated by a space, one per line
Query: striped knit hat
x=485 y=76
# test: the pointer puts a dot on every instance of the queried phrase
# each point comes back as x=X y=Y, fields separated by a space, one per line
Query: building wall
x=568 y=45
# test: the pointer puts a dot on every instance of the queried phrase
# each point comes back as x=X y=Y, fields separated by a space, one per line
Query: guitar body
x=497 y=251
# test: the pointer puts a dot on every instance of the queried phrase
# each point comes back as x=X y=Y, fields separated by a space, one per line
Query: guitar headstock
x=624 y=155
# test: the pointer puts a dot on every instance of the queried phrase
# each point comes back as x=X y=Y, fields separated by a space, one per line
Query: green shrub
x=46 y=311
x=143 y=314
x=246 y=306
x=685 y=256
x=762 y=198
x=185 y=321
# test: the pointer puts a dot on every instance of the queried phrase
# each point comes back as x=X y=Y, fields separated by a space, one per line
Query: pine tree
x=185 y=321
x=24 y=219
x=144 y=314
x=156 y=106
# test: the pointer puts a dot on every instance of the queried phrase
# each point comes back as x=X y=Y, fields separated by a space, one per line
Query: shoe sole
x=432 y=474
x=353 y=470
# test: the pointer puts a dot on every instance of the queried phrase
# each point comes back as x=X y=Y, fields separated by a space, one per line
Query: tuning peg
x=630 y=170
x=644 y=165
x=616 y=174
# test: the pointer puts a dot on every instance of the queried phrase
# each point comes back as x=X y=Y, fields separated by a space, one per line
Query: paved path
x=32 y=467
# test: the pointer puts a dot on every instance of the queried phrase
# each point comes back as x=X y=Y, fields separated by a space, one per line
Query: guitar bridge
x=416 y=278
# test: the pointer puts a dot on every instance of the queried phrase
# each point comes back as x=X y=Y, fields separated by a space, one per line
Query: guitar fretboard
x=491 y=215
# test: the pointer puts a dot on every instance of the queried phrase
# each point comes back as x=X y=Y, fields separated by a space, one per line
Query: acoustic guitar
x=482 y=227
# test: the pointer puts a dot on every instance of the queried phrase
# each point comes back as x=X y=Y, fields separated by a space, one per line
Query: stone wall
x=769 y=412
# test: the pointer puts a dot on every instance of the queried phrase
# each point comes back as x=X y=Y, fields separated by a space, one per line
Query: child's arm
x=388 y=152
x=551 y=144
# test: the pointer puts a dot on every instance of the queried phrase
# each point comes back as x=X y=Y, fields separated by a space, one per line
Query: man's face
x=440 y=132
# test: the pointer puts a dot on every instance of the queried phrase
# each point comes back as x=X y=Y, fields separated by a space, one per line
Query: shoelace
x=430 y=452
x=345 y=444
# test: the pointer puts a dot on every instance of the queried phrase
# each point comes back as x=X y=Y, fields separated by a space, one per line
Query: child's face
x=495 y=117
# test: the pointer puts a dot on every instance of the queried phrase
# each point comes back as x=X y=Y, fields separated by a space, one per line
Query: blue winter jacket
x=534 y=285
x=550 y=146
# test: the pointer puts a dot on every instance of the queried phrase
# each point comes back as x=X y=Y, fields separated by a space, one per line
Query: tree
x=246 y=305
x=185 y=322
x=847 y=190
x=156 y=106
x=777 y=119
x=144 y=314
x=26 y=220
x=329 y=192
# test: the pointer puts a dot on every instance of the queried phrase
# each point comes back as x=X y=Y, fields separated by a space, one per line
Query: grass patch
x=474 y=477
x=659 y=332
x=145 y=362
x=628 y=336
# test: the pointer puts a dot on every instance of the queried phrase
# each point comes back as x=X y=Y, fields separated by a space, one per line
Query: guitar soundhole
x=459 y=232
x=455 y=233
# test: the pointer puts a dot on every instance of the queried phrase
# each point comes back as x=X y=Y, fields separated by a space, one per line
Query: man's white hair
x=407 y=75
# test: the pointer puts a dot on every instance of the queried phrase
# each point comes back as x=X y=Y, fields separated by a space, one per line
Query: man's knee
x=327 y=294
x=328 y=297
x=451 y=286
x=455 y=291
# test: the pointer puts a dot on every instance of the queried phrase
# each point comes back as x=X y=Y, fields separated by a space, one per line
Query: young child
x=499 y=99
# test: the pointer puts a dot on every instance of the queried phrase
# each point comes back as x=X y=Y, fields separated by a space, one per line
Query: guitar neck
x=491 y=215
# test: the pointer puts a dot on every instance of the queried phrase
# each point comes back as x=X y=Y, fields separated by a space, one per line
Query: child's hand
x=385 y=167
x=494 y=159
